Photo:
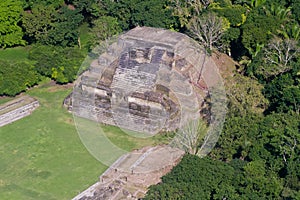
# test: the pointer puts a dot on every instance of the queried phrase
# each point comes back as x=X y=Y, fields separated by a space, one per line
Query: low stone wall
x=17 y=109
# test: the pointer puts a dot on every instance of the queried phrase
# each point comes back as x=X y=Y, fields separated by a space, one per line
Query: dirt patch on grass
x=67 y=120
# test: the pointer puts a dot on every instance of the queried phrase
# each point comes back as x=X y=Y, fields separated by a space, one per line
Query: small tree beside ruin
x=189 y=136
x=208 y=30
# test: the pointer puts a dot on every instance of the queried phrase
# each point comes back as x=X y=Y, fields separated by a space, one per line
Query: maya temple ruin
x=149 y=80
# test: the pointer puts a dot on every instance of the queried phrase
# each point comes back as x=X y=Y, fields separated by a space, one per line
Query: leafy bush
x=196 y=178
x=60 y=64
x=50 y=26
x=16 y=77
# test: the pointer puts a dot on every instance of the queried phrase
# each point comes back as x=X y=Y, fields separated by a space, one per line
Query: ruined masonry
x=17 y=109
x=147 y=77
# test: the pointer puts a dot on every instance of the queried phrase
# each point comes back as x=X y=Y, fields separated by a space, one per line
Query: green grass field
x=42 y=156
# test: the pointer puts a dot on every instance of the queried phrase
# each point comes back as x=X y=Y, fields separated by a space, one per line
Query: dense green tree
x=242 y=135
x=249 y=3
x=45 y=58
x=38 y=22
x=236 y=16
x=283 y=93
x=295 y=5
x=65 y=29
x=88 y=8
x=279 y=71
x=16 y=77
x=60 y=64
x=238 y=136
x=271 y=144
x=245 y=95
x=69 y=65
x=10 y=32
x=292 y=179
x=258 y=30
x=47 y=25
x=258 y=183
x=280 y=134
x=104 y=28
x=30 y=4
x=132 y=13
x=196 y=178
x=185 y=10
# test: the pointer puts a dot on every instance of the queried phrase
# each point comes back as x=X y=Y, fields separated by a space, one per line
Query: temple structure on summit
x=149 y=80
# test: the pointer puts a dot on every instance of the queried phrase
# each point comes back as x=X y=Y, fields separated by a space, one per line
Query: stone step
x=106 y=59
x=115 y=49
x=137 y=123
x=97 y=69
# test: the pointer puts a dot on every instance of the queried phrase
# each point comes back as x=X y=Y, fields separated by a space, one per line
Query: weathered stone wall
x=17 y=109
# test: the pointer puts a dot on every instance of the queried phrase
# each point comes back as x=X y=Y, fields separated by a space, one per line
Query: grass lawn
x=42 y=156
